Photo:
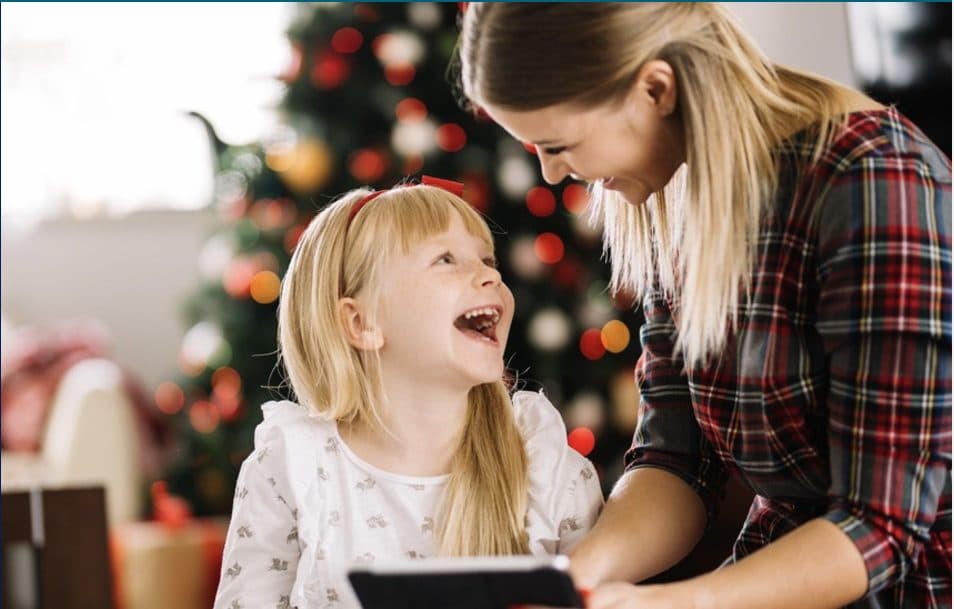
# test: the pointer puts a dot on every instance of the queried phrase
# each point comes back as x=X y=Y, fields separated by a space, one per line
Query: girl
x=790 y=238
x=405 y=443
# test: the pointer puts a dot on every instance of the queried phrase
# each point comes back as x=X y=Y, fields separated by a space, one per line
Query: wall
x=131 y=272
x=812 y=36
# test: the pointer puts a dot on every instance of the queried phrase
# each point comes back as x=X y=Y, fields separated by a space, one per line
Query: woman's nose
x=554 y=170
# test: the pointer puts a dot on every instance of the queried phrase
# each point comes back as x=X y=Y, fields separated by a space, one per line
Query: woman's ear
x=655 y=86
x=358 y=332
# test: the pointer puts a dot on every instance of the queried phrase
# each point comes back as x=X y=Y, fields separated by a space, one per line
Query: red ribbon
x=455 y=188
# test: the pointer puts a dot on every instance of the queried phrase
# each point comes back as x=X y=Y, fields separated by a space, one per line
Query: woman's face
x=634 y=147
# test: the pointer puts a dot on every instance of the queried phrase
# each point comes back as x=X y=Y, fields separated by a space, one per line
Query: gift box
x=156 y=566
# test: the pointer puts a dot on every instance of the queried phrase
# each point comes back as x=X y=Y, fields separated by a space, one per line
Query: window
x=95 y=95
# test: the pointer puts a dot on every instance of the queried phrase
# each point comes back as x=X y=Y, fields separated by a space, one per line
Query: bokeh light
x=399 y=74
x=591 y=344
x=615 y=336
x=451 y=137
x=226 y=382
x=582 y=440
x=204 y=416
x=549 y=248
x=169 y=397
x=368 y=165
x=264 y=287
x=541 y=202
x=410 y=109
x=347 y=40
x=330 y=71
x=575 y=198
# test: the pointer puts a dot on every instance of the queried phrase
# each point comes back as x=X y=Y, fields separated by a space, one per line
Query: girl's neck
x=423 y=430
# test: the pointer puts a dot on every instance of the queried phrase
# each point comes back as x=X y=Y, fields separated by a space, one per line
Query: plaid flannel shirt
x=832 y=399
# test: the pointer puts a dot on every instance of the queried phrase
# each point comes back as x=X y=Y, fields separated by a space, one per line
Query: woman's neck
x=423 y=430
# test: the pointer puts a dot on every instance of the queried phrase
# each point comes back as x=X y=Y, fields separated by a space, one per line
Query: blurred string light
x=524 y=260
x=550 y=329
x=516 y=176
x=104 y=84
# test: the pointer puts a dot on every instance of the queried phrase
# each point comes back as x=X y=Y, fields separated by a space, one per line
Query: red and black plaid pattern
x=832 y=398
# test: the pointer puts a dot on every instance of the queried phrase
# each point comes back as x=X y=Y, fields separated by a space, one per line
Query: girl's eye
x=445 y=258
x=491 y=261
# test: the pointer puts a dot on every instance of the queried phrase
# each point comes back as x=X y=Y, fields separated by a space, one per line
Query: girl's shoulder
x=291 y=429
x=544 y=434
x=536 y=416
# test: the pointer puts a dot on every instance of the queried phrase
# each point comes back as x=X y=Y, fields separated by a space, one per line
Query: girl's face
x=446 y=314
x=633 y=147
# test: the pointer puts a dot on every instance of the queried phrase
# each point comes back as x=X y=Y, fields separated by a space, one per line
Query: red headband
x=456 y=188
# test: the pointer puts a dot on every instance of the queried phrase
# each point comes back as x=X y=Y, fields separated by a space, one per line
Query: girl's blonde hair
x=696 y=239
x=485 y=503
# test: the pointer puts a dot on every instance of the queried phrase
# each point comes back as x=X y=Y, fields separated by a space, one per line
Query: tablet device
x=466 y=583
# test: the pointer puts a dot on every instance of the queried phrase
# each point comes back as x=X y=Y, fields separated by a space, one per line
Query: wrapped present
x=156 y=566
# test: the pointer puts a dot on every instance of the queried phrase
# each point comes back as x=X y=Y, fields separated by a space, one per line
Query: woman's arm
x=651 y=521
x=814 y=567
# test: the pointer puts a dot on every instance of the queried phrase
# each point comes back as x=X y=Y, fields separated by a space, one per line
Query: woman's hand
x=627 y=596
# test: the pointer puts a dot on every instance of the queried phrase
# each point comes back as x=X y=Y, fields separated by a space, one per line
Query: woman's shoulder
x=877 y=136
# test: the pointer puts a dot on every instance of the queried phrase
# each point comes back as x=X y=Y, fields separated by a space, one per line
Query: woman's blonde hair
x=485 y=503
x=696 y=239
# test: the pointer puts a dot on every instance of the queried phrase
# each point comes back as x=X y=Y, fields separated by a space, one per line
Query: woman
x=790 y=240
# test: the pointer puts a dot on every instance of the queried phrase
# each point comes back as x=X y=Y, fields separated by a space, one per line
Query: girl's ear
x=358 y=332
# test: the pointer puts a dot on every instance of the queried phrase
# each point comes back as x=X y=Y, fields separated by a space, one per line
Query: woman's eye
x=555 y=150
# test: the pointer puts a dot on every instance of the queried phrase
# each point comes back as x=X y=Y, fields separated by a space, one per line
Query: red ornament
x=581 y=440
x=549 y=248
x=204 y=416
x=541 y=202
x=477 y=191
x=237 y=279
x=171 y=511
x=169 y=397
x=399 y=74
x=591 y=344
x=330 y=71
x=410 y=110
x=567 y=274
x=529 y=148
x=575 y=198
x=368 y=165
x=451 y=137
x=292 y=236
x=347 y=40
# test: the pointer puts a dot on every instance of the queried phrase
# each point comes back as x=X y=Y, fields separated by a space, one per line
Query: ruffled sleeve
x=262 y=548
x=565 y=494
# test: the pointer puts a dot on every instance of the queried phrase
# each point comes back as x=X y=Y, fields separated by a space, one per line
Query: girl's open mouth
x=480 y=323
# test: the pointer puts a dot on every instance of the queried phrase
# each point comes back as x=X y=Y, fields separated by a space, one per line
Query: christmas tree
x=369 y=102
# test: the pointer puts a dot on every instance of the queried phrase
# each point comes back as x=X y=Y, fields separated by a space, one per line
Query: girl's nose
x=488 y=276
